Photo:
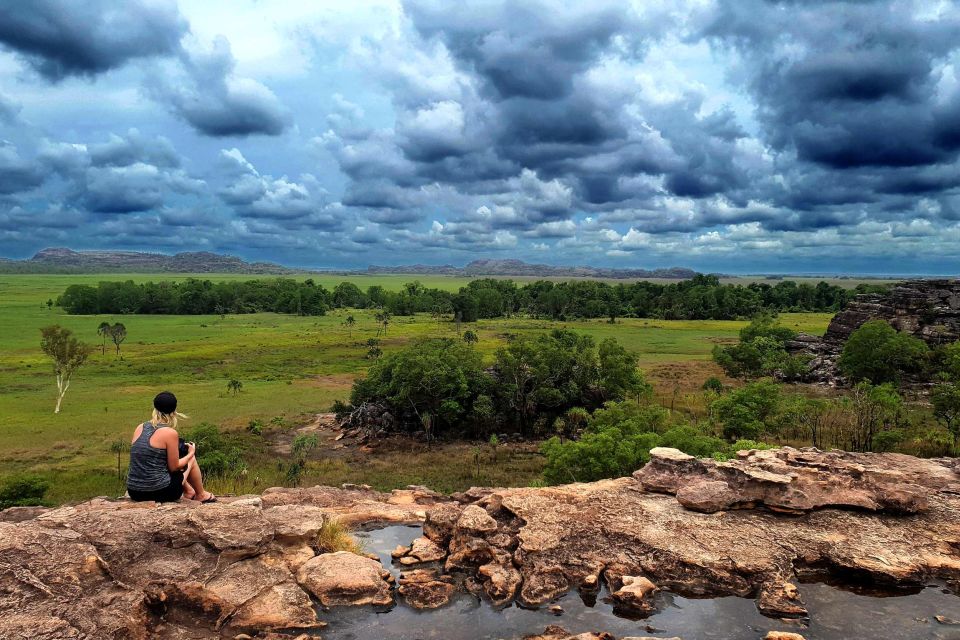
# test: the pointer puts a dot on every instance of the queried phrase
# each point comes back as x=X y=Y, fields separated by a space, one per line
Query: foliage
x=761 y=352
x=945 y=399
x=712 y=383
x=67 y=353
x=334 y=536
x=699 y=298
x=23 y=491
x=876 y=408
x=234 y=386
x=878 y=353
x=436 y=376
x=618 y=439
x=218 y=454
x=255 y=427
x=747 y=412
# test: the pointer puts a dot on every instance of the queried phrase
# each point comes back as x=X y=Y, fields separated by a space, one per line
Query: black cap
x=165 y=403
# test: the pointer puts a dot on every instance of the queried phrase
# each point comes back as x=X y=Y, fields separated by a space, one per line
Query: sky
x=737 y=136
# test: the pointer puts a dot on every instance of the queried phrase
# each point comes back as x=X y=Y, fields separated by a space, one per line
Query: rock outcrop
x=251 y=565
x=119 y=569
x=550 y=540
x=798 y=480
x=927 y=309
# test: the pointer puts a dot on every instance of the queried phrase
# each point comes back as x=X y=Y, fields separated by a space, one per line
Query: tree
x=118 y=447
x=470 y=337
x=234 y=386
x=746 y=412
x=876 y=408
x=945 y=398
x=878 y=353
x=68 y=355
x=103 y=331
x=349 y=322
x=118 y=333
x=49 y=304
x=618 y=372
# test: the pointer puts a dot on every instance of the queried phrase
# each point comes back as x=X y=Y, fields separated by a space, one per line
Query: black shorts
x=170 y=493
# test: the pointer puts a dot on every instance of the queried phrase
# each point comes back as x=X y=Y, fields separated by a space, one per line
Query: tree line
x=702 y=297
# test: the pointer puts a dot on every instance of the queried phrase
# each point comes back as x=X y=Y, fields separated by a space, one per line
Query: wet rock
x=780 y=600
x=344 y=578
x=797 y=480
x=563 y=535
x=500 y=582
x=425 y=589
x=553 y=632
x=440 y=522
x=634 y=596
x=425 y=550
x=947 y=621
x=782 y=635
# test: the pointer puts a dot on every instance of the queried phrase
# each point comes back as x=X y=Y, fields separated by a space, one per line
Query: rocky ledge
x=253 y=565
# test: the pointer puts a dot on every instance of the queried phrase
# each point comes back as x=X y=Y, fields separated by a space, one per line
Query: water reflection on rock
x=849 y=613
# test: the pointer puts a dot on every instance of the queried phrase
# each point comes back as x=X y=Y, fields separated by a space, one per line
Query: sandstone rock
x=782 y=635
x=344 y=578
x=634 y=596
x=475 y=520
x=500 y=582
x=780 y=600
x=553 y=632
x=569 y=533
x=440 y=522
x=424 y=589
x=425 y=550
x=795 y=480
x=926 y=309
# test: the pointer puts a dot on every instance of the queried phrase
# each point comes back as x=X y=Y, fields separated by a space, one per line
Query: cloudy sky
x=726 y=135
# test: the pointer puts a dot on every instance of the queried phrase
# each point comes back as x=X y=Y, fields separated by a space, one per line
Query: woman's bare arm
x=171 y=439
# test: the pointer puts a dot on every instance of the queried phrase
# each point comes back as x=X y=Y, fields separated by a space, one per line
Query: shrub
x=713 y=384
x=748 y=411
x=878 y=353
x=218 y=455
x=23 y=491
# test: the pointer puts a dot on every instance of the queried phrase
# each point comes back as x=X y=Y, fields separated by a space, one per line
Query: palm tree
x=118 y=447
x=234 y=386
x=103 y=330
x=350 y=321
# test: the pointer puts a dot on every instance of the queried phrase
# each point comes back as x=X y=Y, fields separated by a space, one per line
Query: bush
x=761 y=352
x=878 y=353
x=714 y=384
x=747 y=412
x=23 y=491
x=217 y=455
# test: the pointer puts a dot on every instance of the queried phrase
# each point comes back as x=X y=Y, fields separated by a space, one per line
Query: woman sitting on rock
x=161 y=468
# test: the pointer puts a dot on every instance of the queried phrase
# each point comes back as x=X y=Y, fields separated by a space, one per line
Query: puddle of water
x=838 y=614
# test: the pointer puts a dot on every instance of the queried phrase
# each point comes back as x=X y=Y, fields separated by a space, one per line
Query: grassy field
x=290 y=366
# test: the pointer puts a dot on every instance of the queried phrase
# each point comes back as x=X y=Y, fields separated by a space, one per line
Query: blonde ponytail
x=169 y=419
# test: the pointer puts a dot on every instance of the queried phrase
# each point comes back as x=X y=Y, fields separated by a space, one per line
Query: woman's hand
x=191 y=449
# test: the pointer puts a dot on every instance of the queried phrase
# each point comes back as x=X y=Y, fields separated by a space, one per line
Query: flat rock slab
x=798 y=480
x=344 y=578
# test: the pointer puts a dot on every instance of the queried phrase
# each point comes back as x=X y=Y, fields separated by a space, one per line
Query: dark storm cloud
x=60 y=38
x=16 y=174
x=217 y=103
x=847 y=84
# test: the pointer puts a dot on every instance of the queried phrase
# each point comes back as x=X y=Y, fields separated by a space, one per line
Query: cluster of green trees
x=618 y=437
x=441 y=386
x=700 y=298
x=198 y=297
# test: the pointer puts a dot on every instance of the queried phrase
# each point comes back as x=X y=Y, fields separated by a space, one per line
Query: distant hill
x=520 y=268
x=60 y=260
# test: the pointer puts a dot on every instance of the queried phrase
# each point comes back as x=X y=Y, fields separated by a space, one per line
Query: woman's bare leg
x=188 y=492
x=195 y=479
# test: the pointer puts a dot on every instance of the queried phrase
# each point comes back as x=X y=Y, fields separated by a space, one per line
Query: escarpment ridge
x=254 y=564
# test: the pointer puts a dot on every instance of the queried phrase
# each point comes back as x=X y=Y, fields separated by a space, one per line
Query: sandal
x=209 y=500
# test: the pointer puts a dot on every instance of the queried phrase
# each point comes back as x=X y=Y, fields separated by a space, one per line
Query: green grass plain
x=290 y=366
